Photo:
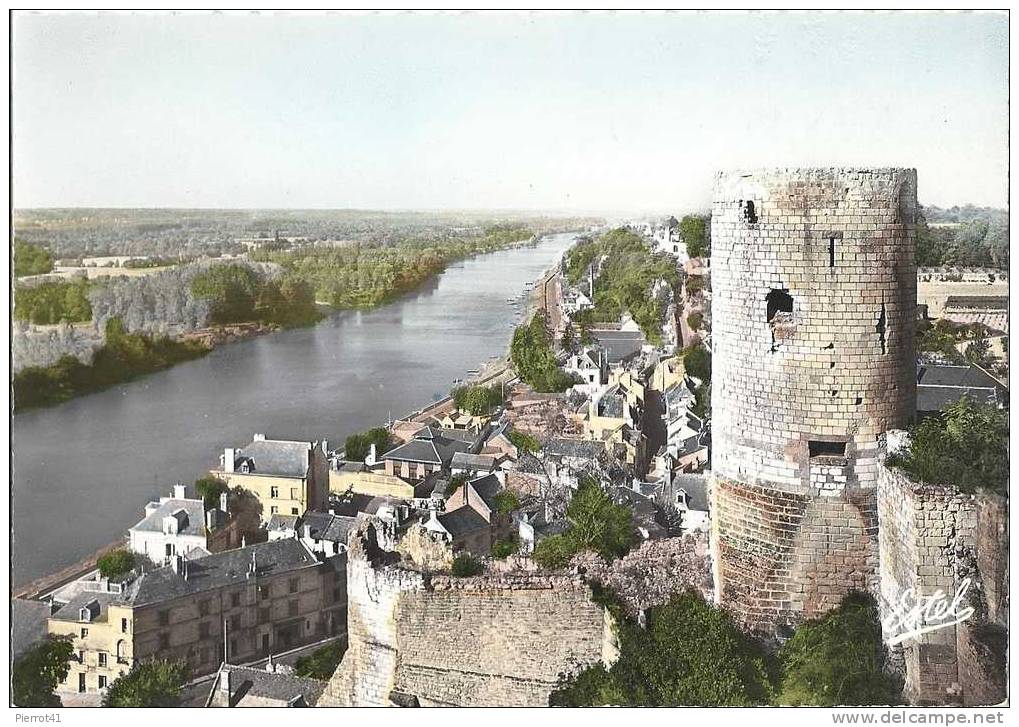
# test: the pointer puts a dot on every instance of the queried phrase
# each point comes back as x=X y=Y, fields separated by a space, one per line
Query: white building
x=172 y=526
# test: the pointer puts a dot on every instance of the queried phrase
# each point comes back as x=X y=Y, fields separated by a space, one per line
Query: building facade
x=814 y=296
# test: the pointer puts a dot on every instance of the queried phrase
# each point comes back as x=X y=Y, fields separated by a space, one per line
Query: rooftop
x=256 y=686
x=192 y=523
x=274 y=457
x=619 y=345
x=463 y=520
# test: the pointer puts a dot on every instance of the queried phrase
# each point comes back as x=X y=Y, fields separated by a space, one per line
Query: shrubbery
x=358 y=446
x=696 y=233
x=505 y=548
x=533 y=358
x=149 y=684
x=48 y=303
x=116 y=563
x=967 y=446
x=31 y=259
x=466 y=565
x=36 y=673
x=321 y=663
x=524 y=442
x=477 y=400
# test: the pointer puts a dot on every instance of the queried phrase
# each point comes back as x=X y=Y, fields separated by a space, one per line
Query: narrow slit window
x=831 y=251
x=881 y=326
x=749 y=213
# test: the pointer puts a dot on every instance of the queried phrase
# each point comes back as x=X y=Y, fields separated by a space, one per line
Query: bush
x=697 y=361
x=696 y=232
x=694 y=284
x=209 y=489
x=838 y=659
x=690 y=654
x=36 y=673
x=321 y=663
x=149 y=684
x=506 y=502
x=694 y=320
x=595 y=523
x=533 y=358
x=505 y=548
x=116 y=563
x=524 y=442
x=466 y=565
x=966 y=447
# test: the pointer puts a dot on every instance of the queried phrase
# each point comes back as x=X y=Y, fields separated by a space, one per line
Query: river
x=84 y=470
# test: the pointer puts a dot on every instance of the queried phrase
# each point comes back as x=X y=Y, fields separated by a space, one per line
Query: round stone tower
x=813 y=308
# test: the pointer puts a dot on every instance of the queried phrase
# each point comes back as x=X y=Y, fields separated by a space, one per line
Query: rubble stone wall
x=813 y=305
x=934 y=539
x=500 y=639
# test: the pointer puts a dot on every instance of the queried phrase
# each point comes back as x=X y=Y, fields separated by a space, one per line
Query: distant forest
x=965 y=236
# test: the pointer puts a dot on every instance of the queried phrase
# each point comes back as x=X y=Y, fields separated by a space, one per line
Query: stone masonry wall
x=500 y=639
x=814 y=294
x=931 y=539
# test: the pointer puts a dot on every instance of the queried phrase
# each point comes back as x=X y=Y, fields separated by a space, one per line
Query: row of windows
x=234 y=623
x=204 y=606
x=273 y=510
x=274 y=493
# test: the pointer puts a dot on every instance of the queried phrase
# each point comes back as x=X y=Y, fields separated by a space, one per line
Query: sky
x=592 y=112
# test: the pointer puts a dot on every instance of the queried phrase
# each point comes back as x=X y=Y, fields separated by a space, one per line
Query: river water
x=84 y=470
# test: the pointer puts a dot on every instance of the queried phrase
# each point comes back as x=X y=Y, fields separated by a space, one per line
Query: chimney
x=228 y=459
x=180 y=491
x=177 y=563
x=307 y=531
x=370 y=459
x=210 y=519
x=244 y=541
x=223 y=502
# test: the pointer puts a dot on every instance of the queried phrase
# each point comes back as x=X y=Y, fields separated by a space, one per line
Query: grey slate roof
x=462 y=521
x=619 y=345
x=984 y=302
x=575 y=448
x=194 y=510
x=71 y=611
x=28 y=624
x=274 y=457
x=966 y=375
x=326 y=526
x=611 y=403
x=939 y=385
x=247 y=681
x=696 y=487
x=432 y=445
x=466 y=460
x=487 y=488
x=224 y=569
x=282 y=522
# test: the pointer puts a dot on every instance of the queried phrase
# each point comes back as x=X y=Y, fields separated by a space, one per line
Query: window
x=273 y=510
x=826 y=449
x=881 y=328
x=749 y=212
x=235 y=599
x=233 y=646
x=274 y=492
x=831 y=251
x=164 y=641
x=292 y=585
x=102 y=658
x=294 y=511
x=102 y=681
x=203 y=607
x=81 y=683
x=778 y=301
x=164 y=618
x=292 y=608
x=123 y=625
x=121 y=652
x=84 y=633
x=170 y=550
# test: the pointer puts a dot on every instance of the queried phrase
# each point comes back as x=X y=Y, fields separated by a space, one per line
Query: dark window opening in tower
x=826 y=449
x=881 y=328
x=779 y=301
x=831 y=251
x=749 y=213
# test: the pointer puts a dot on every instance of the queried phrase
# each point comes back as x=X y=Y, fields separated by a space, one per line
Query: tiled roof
x=274 y=457
x=432 y=446
x=326 y=526
x=466 y=460
x=576 y=448
x=463 y=520
x=696 y=488
x=247 y=681
x=619 y=345
x=966 y=375
x=487 y=488
x=194 y=513
x=224 y=569
x=282 y=522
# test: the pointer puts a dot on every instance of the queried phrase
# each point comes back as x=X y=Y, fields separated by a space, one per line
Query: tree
x=321 y=663
x=149 y=684
x=116 y=563
x=505 y=548
x=595 y=523
x=694 y=320
x=477 y=400
x=524 y=442
x=466 y=565
x=506 y=502
x=358 y=446
x=966 y=447
x=569 y=340
x=30 y=259
x=36 y=673
x=689 y=654
x=838 y=659
x=697 y=361
x=979 y=352
x=533 y=358
x=245 y=507
x=210 y=489
x=695 y=232
x=231 y=291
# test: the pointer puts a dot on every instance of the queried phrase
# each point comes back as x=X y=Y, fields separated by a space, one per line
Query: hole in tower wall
x=779 y=313
x=779 y=301
x=831 y=252
x=749 y=212
x=881 y=325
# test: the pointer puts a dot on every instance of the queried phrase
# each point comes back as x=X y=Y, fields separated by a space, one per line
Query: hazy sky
x=569 y=111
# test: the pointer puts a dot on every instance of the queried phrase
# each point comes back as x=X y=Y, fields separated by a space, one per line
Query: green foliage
x=506 y=502
x=366 y=276
x=48 y=303
x=505 y=548
x=31 y=259
x=123 y=357
x=209 y=489
x=116 y=563
x=524 y=442
x=595 y=523
x=980 y=239
x=941 y=337
x=36 y=673
x=288 y=303
x=696 y=233
x=695 y=320
x=697 y=361
x=466 y=565
x=570 y=343
x=477 y=400
x=231 y=291
x=694 y=284
x=979 y=353
x=358 y=446
x=837 y=659
x=455 y=483
x=967 y=446
x=149 y=684
x=533 y=358
x=149 y=262
x=321 y=663
x=689 y=654
x=627 y=272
